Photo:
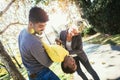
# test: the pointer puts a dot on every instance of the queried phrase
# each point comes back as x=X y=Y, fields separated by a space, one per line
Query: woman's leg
x=89 y=68
x=79 y=71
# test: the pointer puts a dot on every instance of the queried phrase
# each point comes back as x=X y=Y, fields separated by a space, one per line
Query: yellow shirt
x=56 y=52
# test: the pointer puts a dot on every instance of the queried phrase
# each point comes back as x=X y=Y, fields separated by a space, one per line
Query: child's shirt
x=56 y=52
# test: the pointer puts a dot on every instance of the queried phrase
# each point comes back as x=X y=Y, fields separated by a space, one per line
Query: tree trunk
x=10 y=66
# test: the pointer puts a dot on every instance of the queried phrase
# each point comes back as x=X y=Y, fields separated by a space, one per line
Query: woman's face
x=73 y=32
x=70 y=62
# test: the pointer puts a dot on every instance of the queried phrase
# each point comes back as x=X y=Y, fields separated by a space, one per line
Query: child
x=59 y=54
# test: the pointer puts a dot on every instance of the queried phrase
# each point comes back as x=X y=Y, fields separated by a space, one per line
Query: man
x=33 y=55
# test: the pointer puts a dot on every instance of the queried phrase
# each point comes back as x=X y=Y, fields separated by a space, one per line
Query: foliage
x=42 y=1
x=2 y=71
x=5 y=77
x=102 y=14
x=88 y=31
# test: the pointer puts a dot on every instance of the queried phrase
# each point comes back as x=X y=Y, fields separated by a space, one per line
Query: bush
x=88 y=31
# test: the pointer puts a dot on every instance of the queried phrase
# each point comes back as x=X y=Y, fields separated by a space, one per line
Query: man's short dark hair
x=66 y=69
x=37 y=14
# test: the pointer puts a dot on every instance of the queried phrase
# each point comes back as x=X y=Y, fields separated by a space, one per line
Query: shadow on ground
x=115 y=47
x=115 y=79
x=88 y=48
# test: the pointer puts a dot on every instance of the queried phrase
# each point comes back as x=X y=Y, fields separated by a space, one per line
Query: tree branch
x=2 y=31
x=8 y=6
x=2 y=65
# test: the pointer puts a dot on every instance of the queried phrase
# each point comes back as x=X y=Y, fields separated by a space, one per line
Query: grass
x=104 y=39
x=56 y=68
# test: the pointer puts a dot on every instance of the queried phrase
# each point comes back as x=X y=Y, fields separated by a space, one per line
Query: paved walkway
x=105 y=59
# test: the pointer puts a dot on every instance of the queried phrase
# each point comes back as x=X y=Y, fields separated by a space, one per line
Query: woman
x=71 y=39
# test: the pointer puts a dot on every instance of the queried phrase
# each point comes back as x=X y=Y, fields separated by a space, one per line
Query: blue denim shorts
x=44 y=74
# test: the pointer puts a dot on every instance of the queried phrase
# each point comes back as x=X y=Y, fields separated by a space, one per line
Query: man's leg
x=45 y=74
x=51 y=76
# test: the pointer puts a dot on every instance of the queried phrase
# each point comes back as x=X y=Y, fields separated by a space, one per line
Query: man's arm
x=40 y=55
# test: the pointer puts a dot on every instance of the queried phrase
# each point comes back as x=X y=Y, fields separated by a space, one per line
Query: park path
x=105 y=59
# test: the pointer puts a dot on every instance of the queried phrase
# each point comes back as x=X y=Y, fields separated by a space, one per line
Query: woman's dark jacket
x=76 y=45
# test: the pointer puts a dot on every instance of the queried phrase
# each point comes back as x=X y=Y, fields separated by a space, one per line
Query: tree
x=102 y=14
x=9 y=65
x=5 y=58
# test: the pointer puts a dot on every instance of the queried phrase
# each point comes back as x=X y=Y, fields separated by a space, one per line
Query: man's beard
x=39 y=33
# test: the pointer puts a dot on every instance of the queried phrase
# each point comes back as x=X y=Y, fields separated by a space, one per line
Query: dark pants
x=88 y=67
x=45 y=74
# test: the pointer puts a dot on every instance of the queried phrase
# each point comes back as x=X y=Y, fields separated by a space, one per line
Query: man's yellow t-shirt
x=56 y=52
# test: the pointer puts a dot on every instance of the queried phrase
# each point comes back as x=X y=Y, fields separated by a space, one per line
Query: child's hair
x=66 y=70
